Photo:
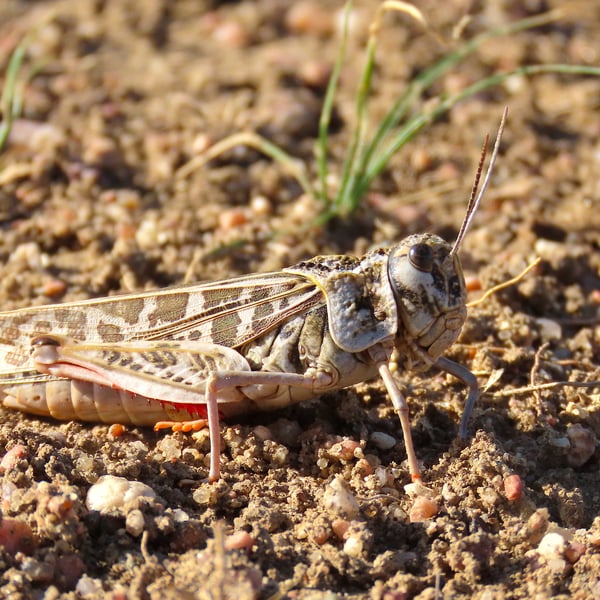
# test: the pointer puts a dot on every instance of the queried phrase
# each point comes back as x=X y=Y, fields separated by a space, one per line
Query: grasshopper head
x=427 y=279
x=429 y=288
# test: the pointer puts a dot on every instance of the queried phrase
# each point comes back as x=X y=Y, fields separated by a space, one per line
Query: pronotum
x=181 y=357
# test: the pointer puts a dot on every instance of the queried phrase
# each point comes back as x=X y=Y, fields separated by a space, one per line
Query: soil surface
x=312 y=500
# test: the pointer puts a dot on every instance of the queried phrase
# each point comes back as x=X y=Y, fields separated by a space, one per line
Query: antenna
x=476 y=197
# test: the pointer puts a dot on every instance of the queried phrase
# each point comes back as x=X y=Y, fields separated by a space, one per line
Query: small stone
x=574 y=552
x=110 y=493
x=340 y=528
x=552 y=546
x=513 y=488
x=16 y=536
x=260 y=206
x=582 y=445
x=382 y=440
x=12 y=457
x=134 y=523
x=231 y=34
x=344 y=450
x=170 y=447
x=549 y=329
x=232 y=218
x=306 y=17
x=339 y=499
x=423 y=509
x=89 y=588
x=353 y=546
x=239 y=540
x=54 y=288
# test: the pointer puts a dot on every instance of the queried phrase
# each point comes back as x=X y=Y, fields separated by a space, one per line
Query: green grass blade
x=292 y=165
x=379 y=162
x=11 y=101
x=321 y=150
x=353 y=160
x=372 y=159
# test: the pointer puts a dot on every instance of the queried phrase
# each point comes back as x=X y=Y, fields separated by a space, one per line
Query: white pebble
x=89 y=588
x=110 y=493
x=339 y=499
x=260 y=206
x=552 y=546
x=382 y=440
x=548 y=249
x=134 y=523
x=549 y=329
x=416 y=489
x=180 y=516
x=353 y=546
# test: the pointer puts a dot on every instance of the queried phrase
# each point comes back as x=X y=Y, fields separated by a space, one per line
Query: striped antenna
x=476 y=196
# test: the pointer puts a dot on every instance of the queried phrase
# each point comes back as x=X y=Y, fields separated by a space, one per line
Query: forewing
x=232 y=312
x=226 y=313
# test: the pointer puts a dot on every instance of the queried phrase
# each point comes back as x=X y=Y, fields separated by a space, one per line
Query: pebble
x=12 y=457
x=513 y=488
x=89 y=588
x=552 y=545
x=315 y=73
x=7 y=490
x=16 y=536
x=423 y=509
x=260 y=206
x=582 y=445
x=263 y=433
x=309 y=17
x=561 y=442
x=35 y=136
x=340 y=528
x=69 y=568
x=344 y=450
x=53 y=288
x=353 y=546
x=574 y=552
x=170 y=447
x=549 y=329
x=134 y=523
x=240 y=540
x=206 y=495
x=111 y=493
x=232 y=218
x=382 y=440
x=339 y=499
x=231 y=34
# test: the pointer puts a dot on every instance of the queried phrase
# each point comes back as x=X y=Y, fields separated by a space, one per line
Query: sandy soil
x=312 y=501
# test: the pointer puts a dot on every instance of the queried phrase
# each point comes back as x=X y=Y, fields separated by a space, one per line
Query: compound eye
x=420 y=257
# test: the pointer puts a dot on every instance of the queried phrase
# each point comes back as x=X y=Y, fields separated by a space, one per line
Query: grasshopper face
x=429 y=288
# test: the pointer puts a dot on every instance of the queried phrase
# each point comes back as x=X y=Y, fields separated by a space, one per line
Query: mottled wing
x=226 y=313
x=233 y=312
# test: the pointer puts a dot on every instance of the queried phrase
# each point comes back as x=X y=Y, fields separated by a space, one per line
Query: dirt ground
x=312 y=502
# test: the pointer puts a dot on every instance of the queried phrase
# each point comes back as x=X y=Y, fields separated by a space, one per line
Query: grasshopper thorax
x=429 y=288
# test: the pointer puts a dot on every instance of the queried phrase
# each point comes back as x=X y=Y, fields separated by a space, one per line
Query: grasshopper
x=182 y=357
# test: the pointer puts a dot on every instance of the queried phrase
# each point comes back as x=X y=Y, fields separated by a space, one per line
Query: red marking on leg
x=184 y=426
